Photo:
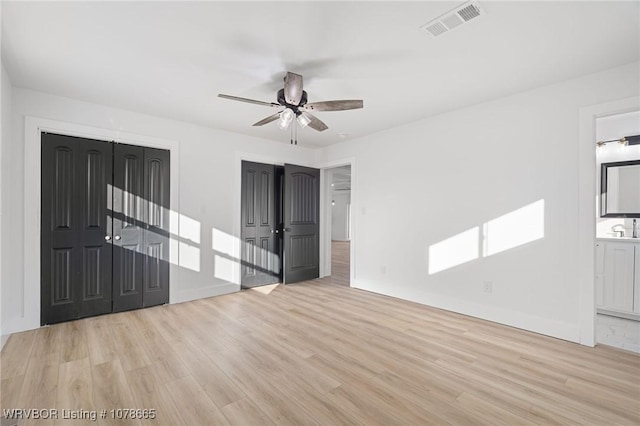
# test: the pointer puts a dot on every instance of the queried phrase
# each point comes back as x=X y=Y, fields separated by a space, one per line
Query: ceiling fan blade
x=335 y=105
x=269 y=119
x=316 y=123
x=251 y=101
x=293 y=88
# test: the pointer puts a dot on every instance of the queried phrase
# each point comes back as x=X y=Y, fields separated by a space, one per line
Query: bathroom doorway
x=339 y=189
x=617 y=247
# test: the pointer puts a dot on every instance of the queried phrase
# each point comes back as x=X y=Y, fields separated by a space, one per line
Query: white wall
x=427 y=181
x=209 y=181
x=339 y=215
x=610 y=128
x=5 y=114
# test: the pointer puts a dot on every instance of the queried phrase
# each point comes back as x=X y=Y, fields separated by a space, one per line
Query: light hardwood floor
x=317 y=353
x=340 y=261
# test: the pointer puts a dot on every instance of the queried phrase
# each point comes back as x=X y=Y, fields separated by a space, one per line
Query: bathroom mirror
x=620 y=189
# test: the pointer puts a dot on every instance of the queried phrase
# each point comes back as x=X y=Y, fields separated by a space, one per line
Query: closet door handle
x=107 y=237
x=118 y=237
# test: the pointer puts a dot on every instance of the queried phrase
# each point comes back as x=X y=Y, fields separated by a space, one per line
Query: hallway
x=340 y=262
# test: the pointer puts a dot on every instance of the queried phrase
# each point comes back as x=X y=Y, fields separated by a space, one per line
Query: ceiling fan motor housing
x=282 y=101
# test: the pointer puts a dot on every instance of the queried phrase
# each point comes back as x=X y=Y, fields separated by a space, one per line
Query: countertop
x=619 y=239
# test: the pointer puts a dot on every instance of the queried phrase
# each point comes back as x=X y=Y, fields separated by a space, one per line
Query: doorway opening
x=280 y=224
x=617 y=239
x=339 y=188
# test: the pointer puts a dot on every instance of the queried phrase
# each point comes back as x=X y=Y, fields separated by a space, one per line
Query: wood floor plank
x=100 y=342
x=73 y=341
x=126 y=340
x=74 y=389
x=243 y=411
x=150 y=393
x=214 y=382
x=39 y=389
x=16 y=350
x=10 y=391
x=111 y=391
x=196 y=408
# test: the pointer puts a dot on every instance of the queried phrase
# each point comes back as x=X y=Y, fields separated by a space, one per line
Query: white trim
x=204 y=292
x=3 y=340
x=325 y=217
x=587 y=210
x=537 y=324
x=30 y=303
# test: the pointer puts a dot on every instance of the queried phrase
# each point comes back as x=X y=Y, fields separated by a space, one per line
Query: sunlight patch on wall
x=514 y=229
x=223 y=242
x=189 y=256
x=454 y=251
x=225 y=269
x=189 y=229
x=184 y=232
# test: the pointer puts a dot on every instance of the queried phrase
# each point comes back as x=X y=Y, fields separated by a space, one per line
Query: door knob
x=277 y=231
x=107 y=237
x=272 y=231
x=118 y=237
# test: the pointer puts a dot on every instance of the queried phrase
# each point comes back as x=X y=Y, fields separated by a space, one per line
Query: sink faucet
x=620 y=232
x=635 y=228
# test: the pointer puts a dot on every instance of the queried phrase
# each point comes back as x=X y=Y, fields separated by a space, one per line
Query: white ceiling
x=171 y=59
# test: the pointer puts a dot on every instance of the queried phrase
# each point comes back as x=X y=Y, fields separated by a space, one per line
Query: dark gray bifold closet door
x=75 y=256
x=301 y=223
x=260 y=259
x=155 y=274
x=140 y=227
x=104 y=227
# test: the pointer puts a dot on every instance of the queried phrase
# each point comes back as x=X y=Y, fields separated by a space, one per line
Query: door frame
x=33 y=127
x=325 y=218
x=587 y=208
x=241 y=156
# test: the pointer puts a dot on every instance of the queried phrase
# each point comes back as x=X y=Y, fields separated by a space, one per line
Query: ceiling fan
x=294 y=101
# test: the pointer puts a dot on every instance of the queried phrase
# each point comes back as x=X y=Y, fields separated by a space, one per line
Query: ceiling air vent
x=453 y=19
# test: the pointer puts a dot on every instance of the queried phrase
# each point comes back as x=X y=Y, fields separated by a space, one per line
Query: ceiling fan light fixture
x=303 y=120
x=286 y=117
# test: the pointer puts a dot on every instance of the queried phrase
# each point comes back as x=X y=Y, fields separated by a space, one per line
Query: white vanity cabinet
x=618 y=276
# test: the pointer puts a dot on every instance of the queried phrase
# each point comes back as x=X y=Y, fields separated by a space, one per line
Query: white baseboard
x=540 y=325
x=3 y=340
x=201 y=293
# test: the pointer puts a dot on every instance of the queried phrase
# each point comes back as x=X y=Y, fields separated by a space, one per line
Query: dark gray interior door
x=75 y=227
x=260 y=259
x=141 y=201
x=301 y=223
x=128 y=226
x=155 y=275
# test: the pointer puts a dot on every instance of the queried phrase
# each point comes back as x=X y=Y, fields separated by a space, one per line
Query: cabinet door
x=618 y=283
x=600 y=274
x=636 y=292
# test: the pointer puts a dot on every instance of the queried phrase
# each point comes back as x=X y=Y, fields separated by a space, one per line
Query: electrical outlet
x=487 y=286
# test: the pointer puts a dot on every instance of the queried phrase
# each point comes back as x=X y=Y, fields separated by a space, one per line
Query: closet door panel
x=156 y=234
x=75 y=228
x=128 y=226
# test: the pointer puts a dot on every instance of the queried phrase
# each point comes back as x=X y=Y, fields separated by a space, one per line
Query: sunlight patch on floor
x=265 y=289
